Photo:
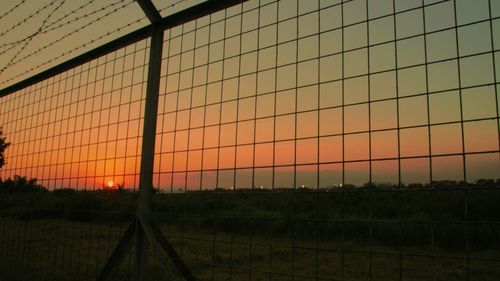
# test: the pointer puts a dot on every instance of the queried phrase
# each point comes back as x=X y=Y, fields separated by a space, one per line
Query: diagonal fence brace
x=143 y=230
x=162 y=248
x=120 y=252
x=164 y=251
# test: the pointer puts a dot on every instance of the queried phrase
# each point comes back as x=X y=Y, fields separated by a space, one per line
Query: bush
x=20 y=185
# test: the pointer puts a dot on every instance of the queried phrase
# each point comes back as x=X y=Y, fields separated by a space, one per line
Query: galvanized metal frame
x=148 y=141
x=142 y=229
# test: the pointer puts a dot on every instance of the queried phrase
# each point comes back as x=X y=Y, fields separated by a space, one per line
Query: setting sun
x=110 y=184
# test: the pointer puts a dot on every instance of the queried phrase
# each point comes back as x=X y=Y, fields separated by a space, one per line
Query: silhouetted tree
x=3 y=146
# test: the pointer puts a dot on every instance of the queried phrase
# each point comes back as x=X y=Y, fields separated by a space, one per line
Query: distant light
x=303 y=186
x=111 y=184
x=261 y=187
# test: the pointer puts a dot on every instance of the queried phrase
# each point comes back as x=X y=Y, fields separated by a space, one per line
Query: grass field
x=284 y=235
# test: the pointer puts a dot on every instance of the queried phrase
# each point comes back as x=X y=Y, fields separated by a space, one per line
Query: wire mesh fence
x=305 y=235
x=295 y=140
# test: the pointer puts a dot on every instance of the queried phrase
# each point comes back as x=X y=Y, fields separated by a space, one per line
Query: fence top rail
x=200 y=10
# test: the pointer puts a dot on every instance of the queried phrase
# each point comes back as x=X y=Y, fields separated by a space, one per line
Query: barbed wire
x=72 y=12
x=171 y=5
x=83 y=16
x=109 y=33
x=13 y=43
x=86 y=44
x=26 y=44
x=51 y=27
x=70 y=33
x=12 y=9
x=27 y=18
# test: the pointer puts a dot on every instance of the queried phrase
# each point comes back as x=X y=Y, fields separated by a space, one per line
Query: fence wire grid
x=295 y=140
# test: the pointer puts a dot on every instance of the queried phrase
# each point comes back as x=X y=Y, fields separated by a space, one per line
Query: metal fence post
x=148 y=145
x=148 y=138
x=145 y=231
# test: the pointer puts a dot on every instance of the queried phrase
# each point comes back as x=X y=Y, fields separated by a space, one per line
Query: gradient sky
x=293 y=93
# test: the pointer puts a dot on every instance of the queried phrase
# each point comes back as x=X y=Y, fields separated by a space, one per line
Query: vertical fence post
x=148 y=149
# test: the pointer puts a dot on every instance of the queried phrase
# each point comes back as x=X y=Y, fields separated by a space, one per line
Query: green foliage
x=20 y=185
x=387 y=217
x=3 y=146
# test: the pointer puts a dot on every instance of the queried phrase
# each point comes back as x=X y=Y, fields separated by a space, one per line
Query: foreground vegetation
x=370 y=233
x=56 y=250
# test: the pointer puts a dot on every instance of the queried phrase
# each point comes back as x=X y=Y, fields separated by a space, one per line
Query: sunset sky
x=272 y=94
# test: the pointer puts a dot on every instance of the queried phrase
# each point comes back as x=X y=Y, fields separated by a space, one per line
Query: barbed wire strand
x=74 y=11
x=109 y=33
x=44 y=30
x=13 y=8
x=74 y=49
x=84 y=45
x=172 y=5
x=27 y=18
x=26 y=44
x=50 y=27
x=68 y=34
